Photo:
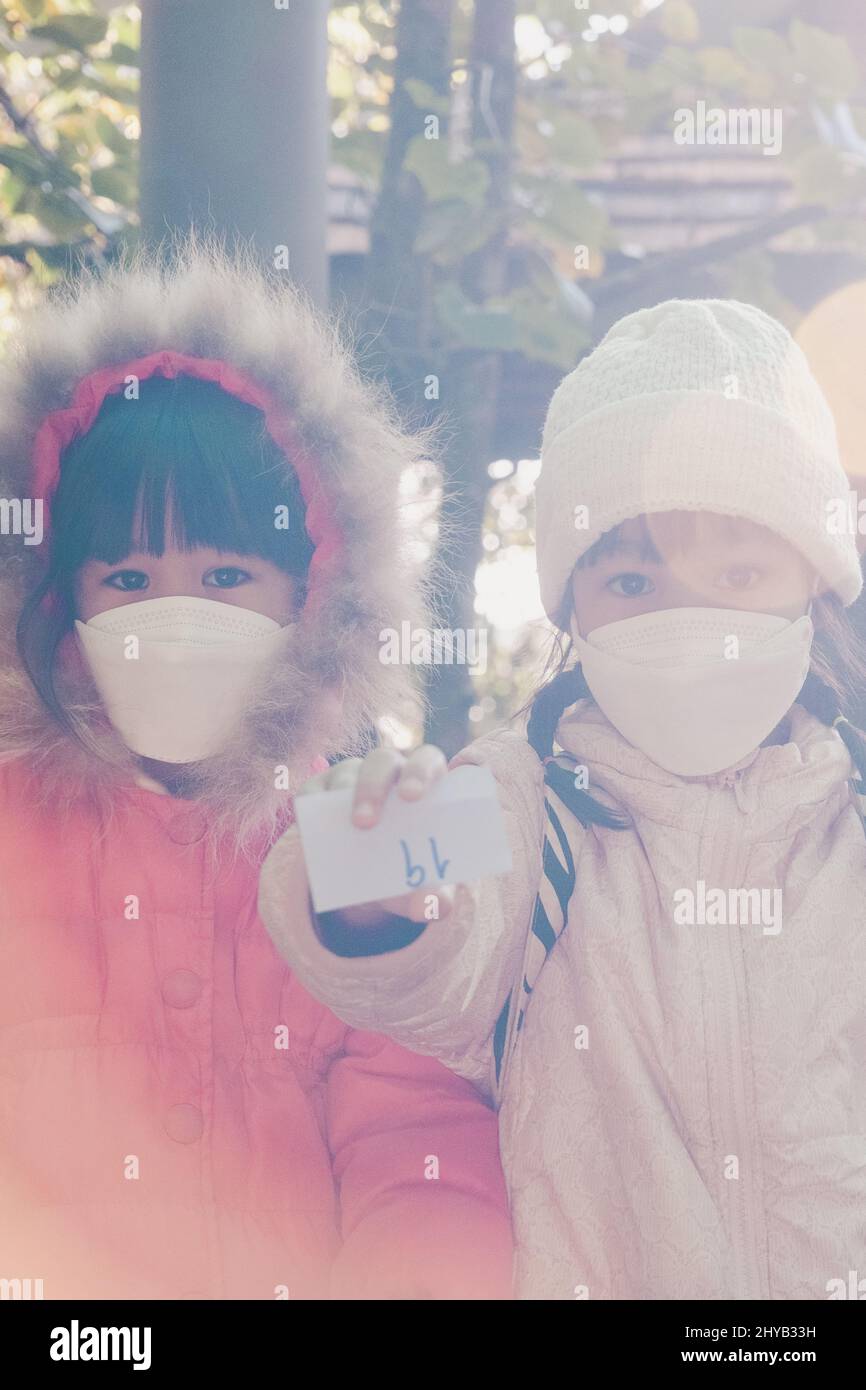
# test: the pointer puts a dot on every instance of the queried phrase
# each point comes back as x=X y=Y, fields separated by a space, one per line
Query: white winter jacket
x=685 y=1116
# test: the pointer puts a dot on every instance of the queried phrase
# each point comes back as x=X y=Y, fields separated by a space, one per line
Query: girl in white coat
x=667 y=992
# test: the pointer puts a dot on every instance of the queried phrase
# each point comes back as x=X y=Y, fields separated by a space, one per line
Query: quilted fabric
x=685 y=1116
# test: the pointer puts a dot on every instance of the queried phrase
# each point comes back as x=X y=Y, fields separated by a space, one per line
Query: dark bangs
x=187 y=449
x=674 y=530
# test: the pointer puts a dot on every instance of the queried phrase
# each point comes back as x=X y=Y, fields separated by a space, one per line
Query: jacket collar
x=782 y=780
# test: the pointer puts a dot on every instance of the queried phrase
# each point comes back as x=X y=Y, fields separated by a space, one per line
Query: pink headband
x=59 y=429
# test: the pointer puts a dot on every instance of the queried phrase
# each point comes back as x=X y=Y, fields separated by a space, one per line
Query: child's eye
x=127 y=580
x=631 y=585
x=228 y=577
x=739 y=577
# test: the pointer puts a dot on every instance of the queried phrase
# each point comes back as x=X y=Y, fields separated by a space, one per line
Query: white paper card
x=454 y=834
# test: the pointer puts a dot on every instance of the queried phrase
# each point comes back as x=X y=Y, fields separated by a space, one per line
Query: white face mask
x=177 y=692
x=696 y=689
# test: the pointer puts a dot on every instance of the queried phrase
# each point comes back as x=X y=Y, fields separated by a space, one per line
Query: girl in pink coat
x=200 y=545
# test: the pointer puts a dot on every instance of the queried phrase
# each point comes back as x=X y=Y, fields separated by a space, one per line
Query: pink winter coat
x=180 y=1119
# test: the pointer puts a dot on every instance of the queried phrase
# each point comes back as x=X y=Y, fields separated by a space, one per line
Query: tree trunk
x=395 y=285
x=472 y=380
x=234 y=110
x=396 y=302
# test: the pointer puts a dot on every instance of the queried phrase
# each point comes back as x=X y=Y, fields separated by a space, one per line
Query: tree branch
x=637 y=281
x=22 y=125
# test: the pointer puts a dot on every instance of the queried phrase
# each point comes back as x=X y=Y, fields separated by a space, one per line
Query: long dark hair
x=182 y=441
x=836 y=678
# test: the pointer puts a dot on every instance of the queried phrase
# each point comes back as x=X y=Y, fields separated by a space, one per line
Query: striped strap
x=549 y=915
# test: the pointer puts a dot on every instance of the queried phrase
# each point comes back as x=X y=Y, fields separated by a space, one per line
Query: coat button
x=181 y=988
x=188 y=826
x=184 y=1123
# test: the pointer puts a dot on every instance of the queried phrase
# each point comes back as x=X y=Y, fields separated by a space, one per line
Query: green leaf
x=110 y=135
x=750 y=277
x=450 y=231
x=540 y=274
x=383 y=33
x=824 y=176
x=67 y=78
x=32 y=7
x=126 y=28
x=425 y=97
x=59 y=214
x=674 y=66
x=679 y=22
x=486 y=328
x=762 y=47
x=565 y=210
x=546 y=333
x=575 y=141
x=23 y=163
x=825 y=60
x=124 y=55
x=127 y=96
x=721 y=68
x=78 y=31
x=465 y=182
x=115 y=183
x=12 y=191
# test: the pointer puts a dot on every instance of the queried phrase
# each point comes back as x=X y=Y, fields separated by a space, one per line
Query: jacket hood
x=330 y=686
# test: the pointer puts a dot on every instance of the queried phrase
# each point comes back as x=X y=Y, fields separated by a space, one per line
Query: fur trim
x=330 y=686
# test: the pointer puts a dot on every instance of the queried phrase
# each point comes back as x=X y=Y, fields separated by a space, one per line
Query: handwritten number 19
x=416 y=873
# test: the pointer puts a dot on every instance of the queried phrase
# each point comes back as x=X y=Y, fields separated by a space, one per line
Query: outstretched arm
x=436 y=987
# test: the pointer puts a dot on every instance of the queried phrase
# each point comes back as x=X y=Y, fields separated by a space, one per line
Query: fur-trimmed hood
x=330 y=686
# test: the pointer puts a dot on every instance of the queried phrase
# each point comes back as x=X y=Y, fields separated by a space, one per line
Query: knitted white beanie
x=693 y=405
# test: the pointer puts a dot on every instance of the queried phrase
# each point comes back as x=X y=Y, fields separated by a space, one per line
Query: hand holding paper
x=453 y=834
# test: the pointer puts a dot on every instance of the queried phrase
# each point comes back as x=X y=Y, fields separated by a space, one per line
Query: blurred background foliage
x=522 y=178
x=70 y=132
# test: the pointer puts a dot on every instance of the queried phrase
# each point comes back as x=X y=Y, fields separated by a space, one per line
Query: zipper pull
x=747 y=801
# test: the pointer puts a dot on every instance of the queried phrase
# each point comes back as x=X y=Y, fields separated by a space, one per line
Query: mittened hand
x=373 y=779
